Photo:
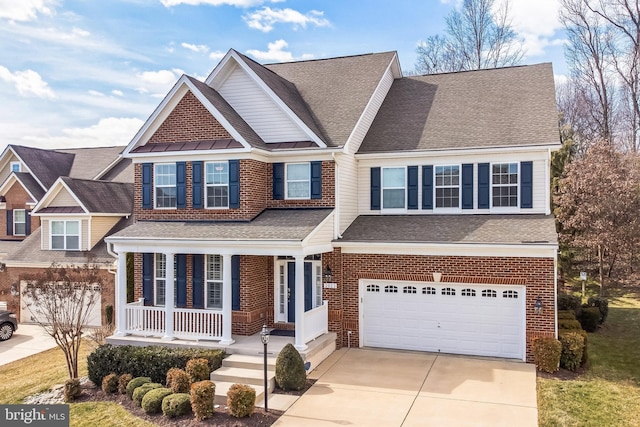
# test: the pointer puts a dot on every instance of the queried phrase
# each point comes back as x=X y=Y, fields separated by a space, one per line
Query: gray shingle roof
x=335 y=90
x=89 y=162
x=32 y=186
x=512 y=106
x=488 y=229
x=102 y=196
x=272 y=224
x=46 y=165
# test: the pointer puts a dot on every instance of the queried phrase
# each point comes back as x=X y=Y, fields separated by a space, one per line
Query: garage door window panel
x=409 y=290
x=391 y=289
x=468 y=293
x=373 y=288
x=448 y=291
x=489 y=293
x=428 y=290
x=510 y=294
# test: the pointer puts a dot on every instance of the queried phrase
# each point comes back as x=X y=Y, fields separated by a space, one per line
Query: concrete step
x=249 y=362
x=222 y=387
x=243 y=376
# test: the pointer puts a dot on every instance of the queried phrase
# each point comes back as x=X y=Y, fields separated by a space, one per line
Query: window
x=489 y=293
x=373 y=288
x=15 y=167
x=65 y=235
x=160 y=279
x=318 y=287
x=165 y=185
x=468 y=293
x=217 y=182
x=448 y=291
x=409 y=290
x=510 y=294
x=19 y=222
x=214 y=282
x=391 y=289
x=428 y=290
x=298 y=180
x=447 y=185
x=393 y=188
x=504 y=185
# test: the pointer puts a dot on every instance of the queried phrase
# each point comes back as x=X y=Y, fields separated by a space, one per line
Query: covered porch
x=216 y=302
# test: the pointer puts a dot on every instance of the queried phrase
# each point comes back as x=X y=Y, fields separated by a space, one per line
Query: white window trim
x=286 y=181
x=206 y=186
x=316 y=286
x=208 y=283
x=156 y=278
x=382 y=188
x=435 y=187
x=280 y=298
x=12 y=164
x=25 y=222
x=505 y=209
x=156 y=186
x=65 y=221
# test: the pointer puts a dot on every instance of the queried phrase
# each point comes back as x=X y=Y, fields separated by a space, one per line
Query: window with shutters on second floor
x=165 y=186
x=217 y=185
x=394 y=188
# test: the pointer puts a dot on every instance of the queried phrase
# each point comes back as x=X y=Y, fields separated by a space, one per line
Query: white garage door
x=481 y=320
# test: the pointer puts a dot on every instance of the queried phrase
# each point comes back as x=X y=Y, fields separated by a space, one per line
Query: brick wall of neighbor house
x=12 y=276
x=189 y=121
x=16 y=198
x=328 y=190
x=537 y=274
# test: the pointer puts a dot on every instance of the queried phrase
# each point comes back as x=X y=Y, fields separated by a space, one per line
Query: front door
x=286 y=289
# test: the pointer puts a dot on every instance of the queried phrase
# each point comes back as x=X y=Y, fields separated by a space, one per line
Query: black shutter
x=147 y=185
x=234 y=184
x=412 y=187
x=196 y=185
x=308 y=287
x=27 y=223
x=526 y=185
x=467 y=186
x=483 y=185
x=316 y=180
x=197 y=280
x=427 y=187
x=278 y=181
x=147 y=278
x=376 y=190
x=181 y=185
x=235 y=282
x=9 y=222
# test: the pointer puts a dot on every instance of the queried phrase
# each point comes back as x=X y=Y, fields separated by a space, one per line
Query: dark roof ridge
x=481 y=69
x=332 y=57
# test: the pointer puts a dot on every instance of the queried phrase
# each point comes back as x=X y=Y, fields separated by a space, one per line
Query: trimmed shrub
x=108 y=314
x=152 y=401
x=572 y=350
x=569 y=325
x=569 y=302
x=241 y=400
x=123 y=380
x=198 y=370
x=290 y=373
x=110 y=383
x=589 y=318
x=202 y=394
x=72 y=389
x=176 y=405
x=566 y=315
x=138 y=394
x=602 y=304
x=135 y=383
x=152 y=361
x=178 y=380
x=546 y=353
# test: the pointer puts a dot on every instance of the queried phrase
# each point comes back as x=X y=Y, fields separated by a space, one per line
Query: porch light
x=264 y=337
x=537 y=307
x=327 y=273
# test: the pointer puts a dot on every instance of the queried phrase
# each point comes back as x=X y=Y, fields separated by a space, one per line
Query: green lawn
x=38 y=373
x=608 y=393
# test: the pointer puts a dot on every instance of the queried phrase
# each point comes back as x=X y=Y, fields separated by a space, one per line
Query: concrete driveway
x=394 y=388
x=26 y=341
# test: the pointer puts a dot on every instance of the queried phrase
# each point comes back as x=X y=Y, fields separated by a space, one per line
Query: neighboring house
x=59 y=205
x=337 y=195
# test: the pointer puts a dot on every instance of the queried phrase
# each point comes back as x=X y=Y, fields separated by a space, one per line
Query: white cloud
x=236 y=3
x=276 y=53
x=117 y=92
x=265 y=18
x=159 y=82
x=217 y=55
x=95 y=93
x=25 y=10
x=27 y=82
x=537 y=23
x=198 y=48
x=107 y=132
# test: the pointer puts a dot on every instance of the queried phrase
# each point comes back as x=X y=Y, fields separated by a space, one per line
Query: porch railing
x=187 y=323
x=316 y=322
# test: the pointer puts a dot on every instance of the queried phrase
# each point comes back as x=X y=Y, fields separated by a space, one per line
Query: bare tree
x=61 y=300
x=597 y=204
x=478 y=36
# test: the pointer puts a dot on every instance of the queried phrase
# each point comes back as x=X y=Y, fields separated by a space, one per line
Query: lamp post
x=264 y=337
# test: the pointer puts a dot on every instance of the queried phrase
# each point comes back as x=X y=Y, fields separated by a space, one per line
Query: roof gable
x=27 y=182
x=45 y=165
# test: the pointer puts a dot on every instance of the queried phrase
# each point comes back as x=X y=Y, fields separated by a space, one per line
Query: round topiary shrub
x=152 y=400
x=110 y=383
x=241 y=400
x=566 y=314
x=138 y=394
x=568 y=302
x=202 y=395
x=546 y=353
x=178 y=380
x=290 y=373
x=198 y=369
x=123 y=380
x=176 y=405
x=72 y=389
x=572 y=350
x=135 y=383
x=602 y=304
x=569 y=324
x=589 y=318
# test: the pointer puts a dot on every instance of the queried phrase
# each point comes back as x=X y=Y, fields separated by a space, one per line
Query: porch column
x=169 y=295
x=121 y=295
x=226 y=301
x=300 y=344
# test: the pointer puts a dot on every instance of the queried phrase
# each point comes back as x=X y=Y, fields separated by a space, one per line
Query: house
x=336 y=196
x=58 y=207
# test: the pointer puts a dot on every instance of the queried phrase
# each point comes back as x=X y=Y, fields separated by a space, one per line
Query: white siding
x=362 y=127
x=322 y=235
x=100 y=226
x=348 y=191
x=6 y=169
x=84 y=245
x=260 y=111
x=63 y=198
x=44 y=238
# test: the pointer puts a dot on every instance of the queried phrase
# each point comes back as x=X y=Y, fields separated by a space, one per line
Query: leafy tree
x=61 y=300
x=597 y=204
x=478 y=36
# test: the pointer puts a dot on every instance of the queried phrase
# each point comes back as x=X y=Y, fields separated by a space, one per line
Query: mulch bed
x=221 y=417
